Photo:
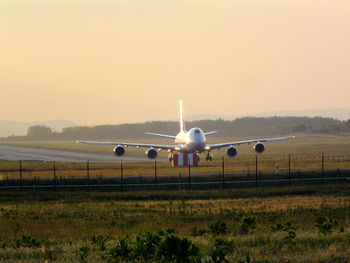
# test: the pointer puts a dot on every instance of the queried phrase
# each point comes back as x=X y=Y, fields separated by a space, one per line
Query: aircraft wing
x=155 y=146
x=221 y=145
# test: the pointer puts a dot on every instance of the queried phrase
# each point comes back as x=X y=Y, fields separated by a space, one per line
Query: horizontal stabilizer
x=211 y=132
x=161 y=135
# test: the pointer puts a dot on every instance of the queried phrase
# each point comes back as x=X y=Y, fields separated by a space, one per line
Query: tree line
x=241 y=127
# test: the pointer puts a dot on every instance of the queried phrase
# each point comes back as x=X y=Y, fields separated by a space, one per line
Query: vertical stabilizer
x=182 y=123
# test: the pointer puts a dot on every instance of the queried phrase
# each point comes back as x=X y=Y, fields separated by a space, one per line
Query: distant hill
x=340 y=114
x=8 y=128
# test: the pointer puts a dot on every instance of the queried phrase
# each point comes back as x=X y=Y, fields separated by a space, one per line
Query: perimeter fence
x=223 y=173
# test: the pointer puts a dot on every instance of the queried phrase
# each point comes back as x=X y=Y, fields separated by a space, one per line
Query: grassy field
x=252 y=225
x=305 y=151
x=302 y=223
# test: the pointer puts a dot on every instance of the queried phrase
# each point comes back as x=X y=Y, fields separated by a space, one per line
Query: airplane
x=192 y=141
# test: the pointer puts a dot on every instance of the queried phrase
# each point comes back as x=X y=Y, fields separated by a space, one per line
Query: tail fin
x=182 y=123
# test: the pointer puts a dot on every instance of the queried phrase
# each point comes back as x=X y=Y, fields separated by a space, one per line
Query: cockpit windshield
x=197 y=131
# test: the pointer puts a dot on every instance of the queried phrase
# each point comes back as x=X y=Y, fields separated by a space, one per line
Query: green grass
x=62 y=222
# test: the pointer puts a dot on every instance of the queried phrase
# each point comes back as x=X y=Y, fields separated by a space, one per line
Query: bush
x=27 y=241
x=121 y=252
x=146 y=245
x=84 y=253
x=100 y=241
x=197 y=232
x=326 y=225
x=218 y=227
x=176 y=249
x=220 y=249
x=247 y=224
x=287 y=227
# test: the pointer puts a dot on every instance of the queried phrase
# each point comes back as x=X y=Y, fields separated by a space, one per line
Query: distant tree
x=39 y=132
x=299 y=128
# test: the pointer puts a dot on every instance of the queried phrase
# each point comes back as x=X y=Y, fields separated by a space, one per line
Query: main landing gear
x=209 y=157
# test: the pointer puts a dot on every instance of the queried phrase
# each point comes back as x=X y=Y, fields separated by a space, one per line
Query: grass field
x=305 y=151
x=302 y=223
x=59 y=226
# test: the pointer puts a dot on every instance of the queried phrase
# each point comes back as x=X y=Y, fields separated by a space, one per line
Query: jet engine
x=119 y=150
x=231 y=151
x=151 y=153
x=259 y=147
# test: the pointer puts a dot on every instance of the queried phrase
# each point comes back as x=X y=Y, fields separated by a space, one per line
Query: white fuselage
x=192 y=141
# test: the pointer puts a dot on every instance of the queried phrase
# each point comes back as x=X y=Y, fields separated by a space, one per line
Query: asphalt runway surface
x=9 y=152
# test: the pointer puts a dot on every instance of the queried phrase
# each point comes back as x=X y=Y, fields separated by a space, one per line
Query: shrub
x=287 y=227
x=27 y=241
x=197 y=232
x=84 y=253
x=326 y=225
x=220 y=249
x=121 y=252
x=218 y=227
x=177 y=249
x=247 y=224
x=146 y=245
x=100 y=241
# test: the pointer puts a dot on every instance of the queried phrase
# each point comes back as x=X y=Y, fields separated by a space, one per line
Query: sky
x=115 y=61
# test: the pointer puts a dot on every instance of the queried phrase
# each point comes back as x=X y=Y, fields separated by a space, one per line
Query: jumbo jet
x=192 y=141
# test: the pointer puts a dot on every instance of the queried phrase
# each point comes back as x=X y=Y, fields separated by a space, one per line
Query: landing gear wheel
x=209 y=157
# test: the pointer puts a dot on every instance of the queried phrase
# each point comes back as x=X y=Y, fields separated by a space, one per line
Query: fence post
x=289 y=172
x=88 y=172
x=223 y=173
x=54 y=174
x=20 y=174
x=179 y=181
x=100 y=182
x=322 y=160
x=155 y=173
x=121 y=174
x=189 y=175
x=256 y=170
x=338 y=173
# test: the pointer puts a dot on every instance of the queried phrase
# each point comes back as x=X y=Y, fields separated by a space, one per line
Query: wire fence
x=287 y=170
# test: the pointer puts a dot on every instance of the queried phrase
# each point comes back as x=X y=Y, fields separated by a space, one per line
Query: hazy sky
x=113 y=61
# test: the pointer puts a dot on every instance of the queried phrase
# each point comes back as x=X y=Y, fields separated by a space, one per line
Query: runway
x=9 y=152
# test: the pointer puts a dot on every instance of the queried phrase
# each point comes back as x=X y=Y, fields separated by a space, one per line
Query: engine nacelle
x=151 y=153
x=259 y=147
x=119 y=150
x=231 y=151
